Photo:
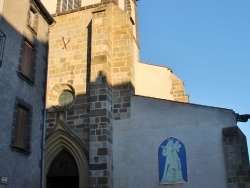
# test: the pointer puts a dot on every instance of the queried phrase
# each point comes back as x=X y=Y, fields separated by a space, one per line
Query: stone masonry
x=91 y=54
x=237 y=160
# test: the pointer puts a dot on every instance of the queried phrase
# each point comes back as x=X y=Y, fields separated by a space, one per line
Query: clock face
x=65 y=98
x=65 y=43
x=63 y=50
x=62 y=96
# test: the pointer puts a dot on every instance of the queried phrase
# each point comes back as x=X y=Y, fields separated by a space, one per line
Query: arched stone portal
x=60 y=143
x=63 y=172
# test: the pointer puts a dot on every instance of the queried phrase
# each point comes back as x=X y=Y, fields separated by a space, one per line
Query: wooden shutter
x=31 y=18
x=20 y=130
x=26 y=59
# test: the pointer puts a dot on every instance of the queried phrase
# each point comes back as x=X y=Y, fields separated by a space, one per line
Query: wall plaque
x=172 y=162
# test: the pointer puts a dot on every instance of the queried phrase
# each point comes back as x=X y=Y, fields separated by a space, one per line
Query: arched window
x=172 y=162
x=69 y=4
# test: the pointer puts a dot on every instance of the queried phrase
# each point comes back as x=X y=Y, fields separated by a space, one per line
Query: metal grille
x=69 y=4
x=2 y=42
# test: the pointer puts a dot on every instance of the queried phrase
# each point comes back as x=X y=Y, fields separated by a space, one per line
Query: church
x=115 y=122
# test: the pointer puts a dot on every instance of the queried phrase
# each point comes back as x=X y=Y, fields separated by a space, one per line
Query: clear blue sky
x=206 y=44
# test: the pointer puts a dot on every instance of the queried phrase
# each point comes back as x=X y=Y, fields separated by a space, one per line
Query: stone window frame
x=32 y=19
x=30 y=77
x=55 y=93
x=21 y=104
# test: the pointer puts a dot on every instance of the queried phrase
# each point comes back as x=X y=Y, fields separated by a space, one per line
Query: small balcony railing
x=2 y=43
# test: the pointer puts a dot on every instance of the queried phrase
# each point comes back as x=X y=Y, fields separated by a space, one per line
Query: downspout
x=242 y=118
x=44 y=121
x=44 y=115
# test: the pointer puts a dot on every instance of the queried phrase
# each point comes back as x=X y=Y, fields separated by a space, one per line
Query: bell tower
x=91 y=76
x=62 y=7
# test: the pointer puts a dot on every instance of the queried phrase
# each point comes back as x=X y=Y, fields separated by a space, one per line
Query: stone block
x=98 y=112
x=102 y=166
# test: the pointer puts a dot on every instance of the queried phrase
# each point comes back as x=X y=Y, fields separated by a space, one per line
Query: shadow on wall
x=82 y=122
x=22 y=84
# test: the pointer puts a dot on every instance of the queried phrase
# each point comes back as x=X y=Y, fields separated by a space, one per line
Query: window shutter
x=31 y=18
x=26 y=59
x=20 y=132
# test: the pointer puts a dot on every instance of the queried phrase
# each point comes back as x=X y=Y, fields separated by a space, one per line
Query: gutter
x=242 y=118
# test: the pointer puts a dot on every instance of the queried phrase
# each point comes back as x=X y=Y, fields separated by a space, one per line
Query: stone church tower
x=92 y=72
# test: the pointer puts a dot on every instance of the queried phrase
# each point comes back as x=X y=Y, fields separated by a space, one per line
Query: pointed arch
x=60 y=140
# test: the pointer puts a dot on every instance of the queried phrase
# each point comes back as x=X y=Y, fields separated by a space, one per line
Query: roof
x=183 y=103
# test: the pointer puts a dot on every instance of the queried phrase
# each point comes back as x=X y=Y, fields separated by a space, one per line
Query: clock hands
x=65 y=44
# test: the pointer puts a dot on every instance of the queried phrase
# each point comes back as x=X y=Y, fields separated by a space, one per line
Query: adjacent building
x=24 y=33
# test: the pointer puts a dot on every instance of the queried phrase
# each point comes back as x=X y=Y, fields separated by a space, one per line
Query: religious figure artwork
x=172 y=162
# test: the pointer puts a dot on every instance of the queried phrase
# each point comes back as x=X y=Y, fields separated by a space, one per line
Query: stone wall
x=68 y=65
x=92 y=55
x=178 y=89
x=17 y=89
x=237 y=160
x=136 y=141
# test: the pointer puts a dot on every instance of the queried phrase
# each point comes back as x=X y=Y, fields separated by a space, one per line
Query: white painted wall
x=121 y=4
x=136 y=142
x=89 y=2
x=1 y=8
x=153 y=81
x=50 y=5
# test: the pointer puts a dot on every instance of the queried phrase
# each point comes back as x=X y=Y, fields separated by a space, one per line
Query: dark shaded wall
x=23 y=169
x=237 y=159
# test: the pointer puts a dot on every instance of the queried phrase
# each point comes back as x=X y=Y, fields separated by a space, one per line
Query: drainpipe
x=242 y=118
x=44 y=122
x=44 y=114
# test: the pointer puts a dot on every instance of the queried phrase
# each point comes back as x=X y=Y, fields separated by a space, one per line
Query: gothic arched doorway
x=63 y=172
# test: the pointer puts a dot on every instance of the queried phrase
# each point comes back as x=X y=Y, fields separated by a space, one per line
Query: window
x=26 y=59
x=69 y=4
x=33 y=20
x=21 y=128
x=61 y=96
x=27 y=62
x=20 y=131
x=66 y=98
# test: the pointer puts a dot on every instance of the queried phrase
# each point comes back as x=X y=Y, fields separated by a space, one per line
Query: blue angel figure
x=172 y=171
